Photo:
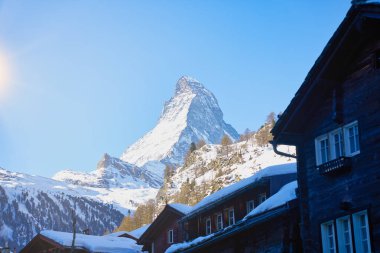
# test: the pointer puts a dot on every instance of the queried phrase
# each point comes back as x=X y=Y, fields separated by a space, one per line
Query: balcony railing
x=338 y=165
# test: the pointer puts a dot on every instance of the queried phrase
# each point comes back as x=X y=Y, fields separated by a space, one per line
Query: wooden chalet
x=164 y=231
x=334 y=122
x=61 y=242
x=271 y=227
x=226 y=208
x=231 y=204
x=43 y=244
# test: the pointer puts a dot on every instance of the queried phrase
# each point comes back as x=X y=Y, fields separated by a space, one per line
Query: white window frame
x=347 y=139
x=250 y=203
x=342 y=236
x=318 y=140
x=262 y=197
x=208 y=226
x=219 y=221
x=170 y=236
x=333 y=154
x=358 y=235
x=326 y=247
x=231 y=218
x=345 y=143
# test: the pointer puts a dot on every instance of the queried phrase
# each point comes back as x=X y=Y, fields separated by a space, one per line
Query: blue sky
x=81 y=78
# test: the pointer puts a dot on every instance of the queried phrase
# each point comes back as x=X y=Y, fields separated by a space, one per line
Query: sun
x=4 y=75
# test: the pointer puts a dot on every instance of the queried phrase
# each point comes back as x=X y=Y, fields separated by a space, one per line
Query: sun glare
x=4 y=75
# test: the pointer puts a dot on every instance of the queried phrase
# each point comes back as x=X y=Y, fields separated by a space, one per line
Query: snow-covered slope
x=212 y=168
x=29 y=204
x=112 y=172
x=190 y=115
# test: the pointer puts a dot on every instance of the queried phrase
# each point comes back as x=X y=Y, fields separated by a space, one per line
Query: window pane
x=361 y=232
x=324 y=148
x=328 y=237
x=353 y=138
x=338 y=144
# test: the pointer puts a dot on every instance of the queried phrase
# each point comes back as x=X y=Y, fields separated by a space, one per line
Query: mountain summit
x=190 y=115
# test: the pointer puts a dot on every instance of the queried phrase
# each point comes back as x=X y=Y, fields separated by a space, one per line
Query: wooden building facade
x=232 y=207
x=226 y=208
x=276 y=230
x=334 y=122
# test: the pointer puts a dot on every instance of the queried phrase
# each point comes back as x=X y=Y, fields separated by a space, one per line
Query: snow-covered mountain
x=112 y=172
x=29 y=204
x=190 y=115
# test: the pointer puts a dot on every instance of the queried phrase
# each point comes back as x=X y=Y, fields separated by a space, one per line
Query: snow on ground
x=105 y=244
x=254 y=158
x=6 y=232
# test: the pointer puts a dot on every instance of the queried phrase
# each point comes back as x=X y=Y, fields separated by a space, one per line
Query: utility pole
x=74 y=228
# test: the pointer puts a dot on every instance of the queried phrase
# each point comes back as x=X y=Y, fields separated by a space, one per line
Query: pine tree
x=226 y=141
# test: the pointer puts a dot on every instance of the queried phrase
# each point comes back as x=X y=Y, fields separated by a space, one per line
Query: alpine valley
x=102 y=198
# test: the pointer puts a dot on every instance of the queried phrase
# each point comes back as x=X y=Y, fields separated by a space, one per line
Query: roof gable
x=361 y=23
x=168 y=214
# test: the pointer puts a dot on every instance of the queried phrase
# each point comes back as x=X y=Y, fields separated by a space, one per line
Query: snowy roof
x=365 y=1
x=92 y=243
x=185 y=209
x=227 y=191
x=138 y=232
x=284 y=195
x=134 y=233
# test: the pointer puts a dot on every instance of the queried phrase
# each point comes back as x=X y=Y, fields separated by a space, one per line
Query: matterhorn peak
x=190 y=115
x=186 y=84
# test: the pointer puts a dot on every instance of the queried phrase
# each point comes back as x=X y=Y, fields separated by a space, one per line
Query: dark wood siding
x=322 y=196
x=280 y=234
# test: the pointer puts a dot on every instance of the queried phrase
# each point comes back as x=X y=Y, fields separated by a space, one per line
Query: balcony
x=335 y=166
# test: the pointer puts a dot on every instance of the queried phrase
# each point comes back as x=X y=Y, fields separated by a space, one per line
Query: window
x=170 y=236
x=323 y=149
x=361 y=232
x=250 y=206
x=337 y=144
x=352 y=138
x=231 y=217
x=219 y=221
x=208 y=226
x=347 y=235
x=343 y=141
x=343 y=226
x=262 y=197
x=328 y=237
